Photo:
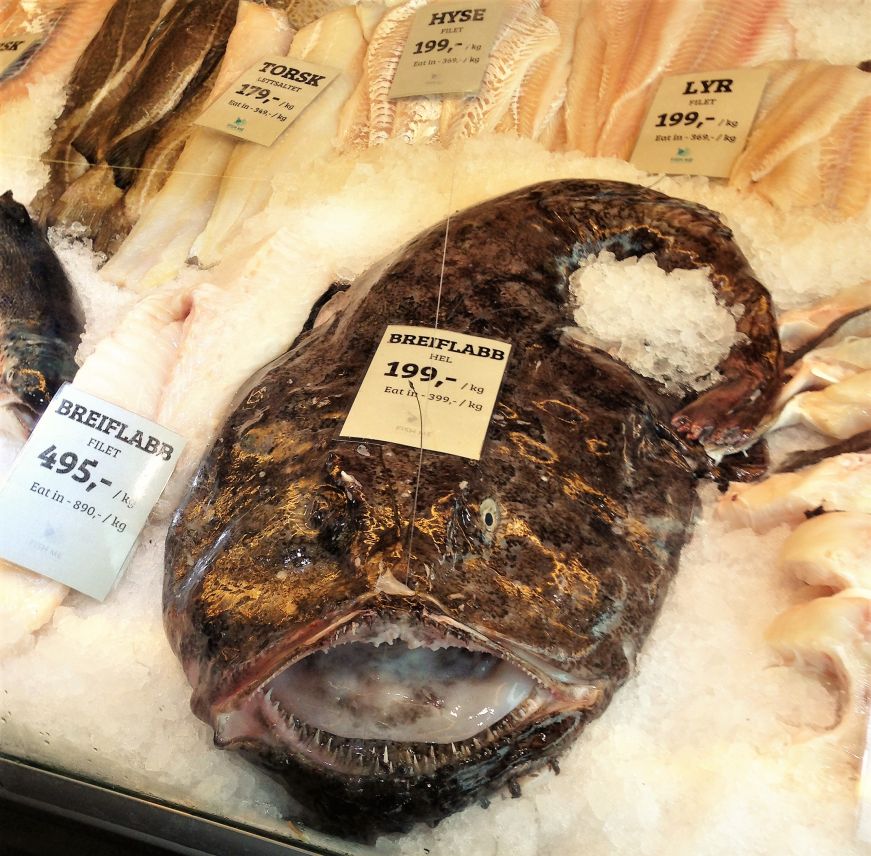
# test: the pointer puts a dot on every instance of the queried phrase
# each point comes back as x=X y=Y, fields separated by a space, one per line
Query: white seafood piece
x=832 y=636
x=810 y=146
x=417 y=119
x=353 y=132
x=27 y=602
x=543 y=89
x=830 y=550
x=625 y=47
x=841 y=410
x=245 y=301
x=336 y=41
x=382 y=58
x=131 y=366
x=841 y=483
x=823 y=366
x=800 y=326
x=160 y=242
x=526 y=35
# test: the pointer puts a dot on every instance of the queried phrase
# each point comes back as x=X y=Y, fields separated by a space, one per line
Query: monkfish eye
x=324 y=507
x=489 y=513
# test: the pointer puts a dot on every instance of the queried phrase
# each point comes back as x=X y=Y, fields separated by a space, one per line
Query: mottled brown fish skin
x=40 y=321
x=595 y=490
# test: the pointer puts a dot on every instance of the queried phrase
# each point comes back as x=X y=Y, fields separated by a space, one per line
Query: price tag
x=699 y=122
x=447 y=49
x=81 y=490
x=429 y=387
x=267 y=98
x=16 y=49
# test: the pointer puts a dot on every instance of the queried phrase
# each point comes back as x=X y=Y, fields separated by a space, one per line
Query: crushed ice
x=667 y=326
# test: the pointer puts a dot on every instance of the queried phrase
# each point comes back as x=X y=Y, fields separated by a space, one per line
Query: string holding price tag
x=81 y=490
x=698 y=122
x=431 y=388
x=447 y=49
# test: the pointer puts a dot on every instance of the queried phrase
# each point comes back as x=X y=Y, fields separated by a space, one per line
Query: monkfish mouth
x=397 y=698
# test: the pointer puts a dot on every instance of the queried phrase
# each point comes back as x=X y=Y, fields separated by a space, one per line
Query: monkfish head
x=395 y=634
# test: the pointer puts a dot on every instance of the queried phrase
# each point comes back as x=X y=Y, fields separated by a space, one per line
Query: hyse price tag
x=699 y=122
x=81 y=490
x=429 y=387
x=267 y=98
x=447 y=49
x=16 y=49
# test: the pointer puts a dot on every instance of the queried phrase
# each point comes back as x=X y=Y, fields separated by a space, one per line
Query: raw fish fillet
x=543 y=89
x=160 y=242
x=811 y=144
x=245 y=301
x=131 y=366
x=525 y=36
x=830 y=550
x=624 y=48
x=841 y=410
x=69 y=26
x=27 y=602
x=336 y=41
x=842 y=483
x=799 y=327
x=823 y=366
x=832 y=636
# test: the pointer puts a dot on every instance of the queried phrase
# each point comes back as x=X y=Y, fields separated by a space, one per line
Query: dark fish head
x=40 y=323
x=396 y=634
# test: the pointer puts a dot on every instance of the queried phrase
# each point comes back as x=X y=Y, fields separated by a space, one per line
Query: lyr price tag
x=429 y=387
x=16 y=49
x=447 y=48
x=698 y=122
x=81 y=490
x=267 y=99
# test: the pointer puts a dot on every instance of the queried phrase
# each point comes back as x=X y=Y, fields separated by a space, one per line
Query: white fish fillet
x=841 y=410
x=336 y=41
x=27 y=602
x=526 y=36
x=832 y=636
x=823 y=366
x=131 y=366
x=543 y=89
x=624 y=48
x=841 y=483
x=799 y=326
x=245 y=302
x=160 y=242
x=830 y=550
x=811 y=143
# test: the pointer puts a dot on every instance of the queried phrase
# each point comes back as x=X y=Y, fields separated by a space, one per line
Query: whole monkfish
x=391 y=647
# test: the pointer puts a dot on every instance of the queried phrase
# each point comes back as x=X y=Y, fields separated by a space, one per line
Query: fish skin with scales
x=300 y=559
x=40 y=320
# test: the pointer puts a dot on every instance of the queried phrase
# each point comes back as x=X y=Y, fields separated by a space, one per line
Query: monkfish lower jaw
x=386 y=724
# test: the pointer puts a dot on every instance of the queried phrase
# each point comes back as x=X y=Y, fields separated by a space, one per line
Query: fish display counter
x=517 y=486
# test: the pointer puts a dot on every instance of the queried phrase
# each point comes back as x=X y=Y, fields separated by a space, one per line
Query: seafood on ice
x=318 y=560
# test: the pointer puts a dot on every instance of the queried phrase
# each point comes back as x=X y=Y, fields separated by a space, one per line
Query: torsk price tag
x=267 y=98
x=447 y=48
x=429 y=387
x=15 y=48
x=699 y=121
x=81 y=490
